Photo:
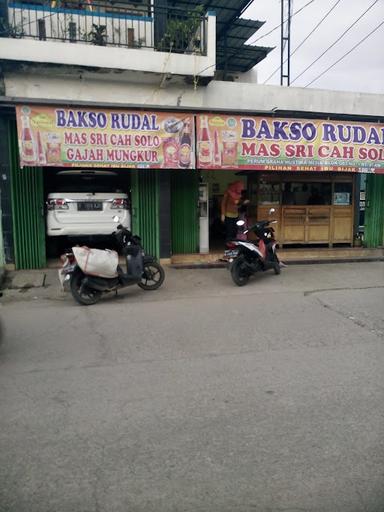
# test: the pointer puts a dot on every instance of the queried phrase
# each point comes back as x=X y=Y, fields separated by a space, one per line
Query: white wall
x=81 y=86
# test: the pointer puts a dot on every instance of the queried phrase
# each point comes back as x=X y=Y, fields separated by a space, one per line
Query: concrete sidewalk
x=292 y=256
x=200 y=282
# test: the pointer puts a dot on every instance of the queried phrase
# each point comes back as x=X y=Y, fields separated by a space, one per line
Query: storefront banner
x=277 y=144
x=64 y=137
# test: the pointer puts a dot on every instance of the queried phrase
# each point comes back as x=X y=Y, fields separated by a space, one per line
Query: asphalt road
x=200 y=397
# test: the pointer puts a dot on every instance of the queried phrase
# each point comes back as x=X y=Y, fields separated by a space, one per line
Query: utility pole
x=285 y=67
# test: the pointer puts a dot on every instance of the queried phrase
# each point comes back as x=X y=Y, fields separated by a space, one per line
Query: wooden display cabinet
x=309 y=224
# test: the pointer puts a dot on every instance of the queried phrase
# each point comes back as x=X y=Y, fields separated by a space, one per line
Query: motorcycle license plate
x=231 y=253
x=65 y=276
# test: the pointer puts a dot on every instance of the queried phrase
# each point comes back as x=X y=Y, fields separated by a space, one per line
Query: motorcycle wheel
x=153 y=276
x=276 y=266
x=239 y=276
x=86 y=297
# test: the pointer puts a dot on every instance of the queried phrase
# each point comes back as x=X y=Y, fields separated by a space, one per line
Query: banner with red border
x=77 y=137
x=278 y=144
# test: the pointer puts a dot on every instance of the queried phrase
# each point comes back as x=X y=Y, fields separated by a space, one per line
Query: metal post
x=285 y=66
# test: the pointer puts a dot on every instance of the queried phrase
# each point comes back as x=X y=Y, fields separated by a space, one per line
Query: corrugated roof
x=242 y=59
x=224 y=9
x=231 y=33
x=240 y=31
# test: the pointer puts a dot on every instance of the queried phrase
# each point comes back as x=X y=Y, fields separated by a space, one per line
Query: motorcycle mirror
x=116 y=218
x=240 y=223
x=271 y=210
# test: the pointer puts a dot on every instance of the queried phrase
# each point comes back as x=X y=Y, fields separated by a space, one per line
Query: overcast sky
x=362 y=70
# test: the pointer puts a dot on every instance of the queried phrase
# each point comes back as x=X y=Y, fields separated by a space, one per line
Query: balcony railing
x=160 y=29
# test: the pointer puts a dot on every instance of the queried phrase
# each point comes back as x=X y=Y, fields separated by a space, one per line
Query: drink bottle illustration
x=185 y=150
x=216 y=149
x=205 y=144
x=28 y=145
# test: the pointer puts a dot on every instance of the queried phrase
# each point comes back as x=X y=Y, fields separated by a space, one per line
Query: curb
x=186 y=266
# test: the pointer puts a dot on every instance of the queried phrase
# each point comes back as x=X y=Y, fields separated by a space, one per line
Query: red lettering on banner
x=299 y=150
x=117 y=139
x=335 y=153
x=371 y=154
x=324 y=151
x=290 y=150
x=147 y=141
x=248 y=149
x=127 y=155
x=98 y=139
x=262 y=151
x=85 y=155
x=75 y=139
x=275 y=150
x=348 y=152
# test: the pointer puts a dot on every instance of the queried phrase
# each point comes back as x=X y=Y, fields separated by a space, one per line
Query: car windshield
x=86 y=183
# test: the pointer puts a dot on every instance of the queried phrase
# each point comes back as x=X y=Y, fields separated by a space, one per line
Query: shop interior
x=311 y=209
x=218 y=182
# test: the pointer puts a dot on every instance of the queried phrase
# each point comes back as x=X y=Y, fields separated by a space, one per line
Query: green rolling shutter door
x=27 y=209
x=2 y=258
x=145 y=209
x=374 y=211
x=184 y=212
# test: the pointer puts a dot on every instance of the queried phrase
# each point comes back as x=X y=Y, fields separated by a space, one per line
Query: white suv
x=85 y=203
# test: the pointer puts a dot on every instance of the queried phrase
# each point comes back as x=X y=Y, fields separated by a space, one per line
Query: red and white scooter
x=251 y=257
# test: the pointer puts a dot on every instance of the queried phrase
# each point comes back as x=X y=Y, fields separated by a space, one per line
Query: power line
x=279 y=25
x=306 y=39
x=345 y=55
x=335 y=42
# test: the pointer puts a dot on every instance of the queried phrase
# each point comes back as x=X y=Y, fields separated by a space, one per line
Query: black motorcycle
x=141 y=269
x=254 y=256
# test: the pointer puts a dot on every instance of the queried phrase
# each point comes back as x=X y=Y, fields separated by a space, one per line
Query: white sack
x=96 y=262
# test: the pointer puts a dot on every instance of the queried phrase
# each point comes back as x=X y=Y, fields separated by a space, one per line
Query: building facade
x=141 y=66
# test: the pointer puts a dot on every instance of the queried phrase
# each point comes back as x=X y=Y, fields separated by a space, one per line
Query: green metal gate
x=145 y=209
x=184 y=212
x=2 y=258
x=27 y=209
x=374 y=211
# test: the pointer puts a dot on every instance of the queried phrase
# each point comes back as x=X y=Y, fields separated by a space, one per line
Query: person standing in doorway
x=232 y=200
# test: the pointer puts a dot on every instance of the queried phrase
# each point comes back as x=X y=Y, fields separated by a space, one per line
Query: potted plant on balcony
x=180 y=32
x=97 y=36
x=7 y=30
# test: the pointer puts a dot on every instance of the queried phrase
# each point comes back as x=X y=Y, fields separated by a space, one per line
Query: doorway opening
x=217 y=183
